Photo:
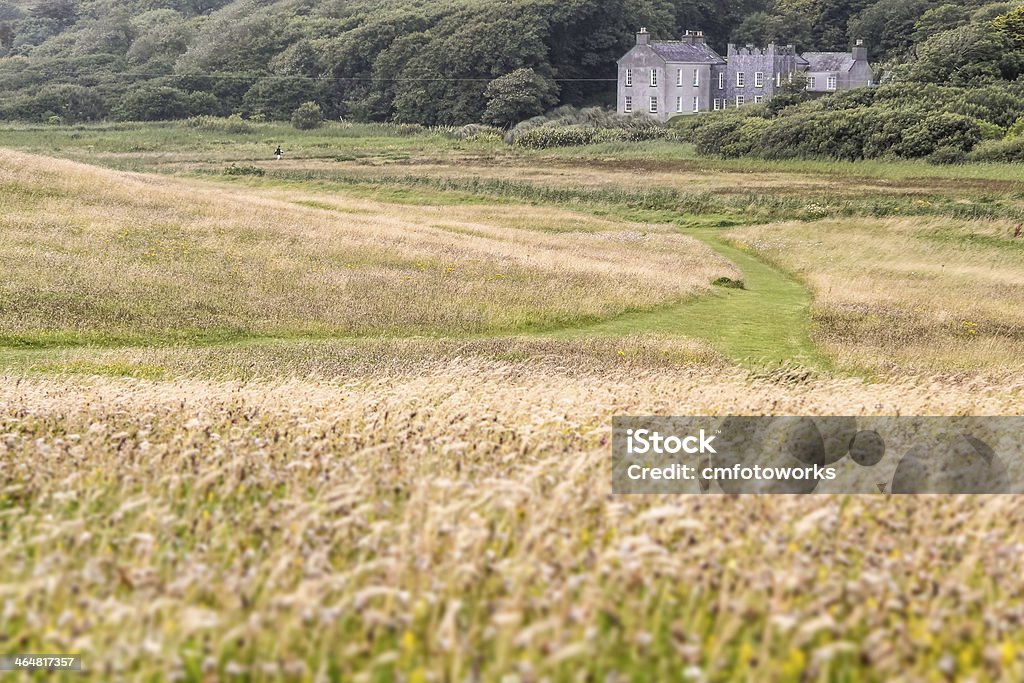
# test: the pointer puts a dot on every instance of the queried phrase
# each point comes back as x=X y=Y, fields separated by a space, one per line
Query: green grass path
x=766 y=323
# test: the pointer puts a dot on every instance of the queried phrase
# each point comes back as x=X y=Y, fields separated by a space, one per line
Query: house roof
x=829 y=61
x=686 y=52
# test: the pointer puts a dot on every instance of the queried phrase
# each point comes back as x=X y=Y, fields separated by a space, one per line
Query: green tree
x=278 y=97
x=1011 y=25
x=939 y=19
x=517 y=96
x=72 y=103
x=158 y=103
x=887 y=25
x=961 y=56
x=308 y=116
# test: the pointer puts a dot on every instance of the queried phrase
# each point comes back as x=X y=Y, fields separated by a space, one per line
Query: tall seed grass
x=102 y=256
x=908 y=296
x=455 y=521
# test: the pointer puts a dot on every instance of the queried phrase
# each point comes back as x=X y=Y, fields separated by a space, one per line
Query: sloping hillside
x=91 y=255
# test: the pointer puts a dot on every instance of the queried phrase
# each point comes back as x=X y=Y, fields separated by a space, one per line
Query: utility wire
x=353 y=79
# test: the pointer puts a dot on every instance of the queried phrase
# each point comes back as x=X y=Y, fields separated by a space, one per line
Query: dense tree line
x=959 y=96
x=435 y=61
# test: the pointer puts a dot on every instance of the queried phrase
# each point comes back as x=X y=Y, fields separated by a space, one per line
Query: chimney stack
x=688 y=37
x=860 y=52
x=698 y=37
x=643 y=37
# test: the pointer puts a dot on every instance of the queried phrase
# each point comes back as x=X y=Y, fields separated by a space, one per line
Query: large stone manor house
x=672 y=78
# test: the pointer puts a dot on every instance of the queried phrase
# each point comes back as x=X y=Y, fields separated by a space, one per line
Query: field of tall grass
x=99 y=256
x=452 y=520
x=901 y=296
x=347 y=417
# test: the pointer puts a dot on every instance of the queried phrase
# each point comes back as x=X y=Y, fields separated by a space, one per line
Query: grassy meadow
x=346 y=416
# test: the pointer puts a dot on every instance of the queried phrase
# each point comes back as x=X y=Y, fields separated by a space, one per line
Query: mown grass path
x=766 y=323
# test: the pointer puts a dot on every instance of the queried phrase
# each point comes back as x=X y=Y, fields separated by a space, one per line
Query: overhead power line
x=356 y=79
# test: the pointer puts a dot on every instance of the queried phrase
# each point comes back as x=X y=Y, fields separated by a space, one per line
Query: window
x=627 y=105
x=778 y=80
x=832 y=83
x=718 y=104
x=721 y=81
x=696 y=104
x=740 y=100
x=759 y=80
x=679 y=78
x=654 y=105
x=741 y=79
x=758 y=99
x=654 y=78
x=810 y=82
x=629 y=78
x=679 y=105
x=790 y=76
x=696 y=78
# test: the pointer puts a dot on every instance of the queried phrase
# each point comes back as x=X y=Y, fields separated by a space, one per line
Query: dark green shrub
x=278 y=98
x=1009 y=150
x=245 y=170
x=710 y=139
x=163 y=103
x=846 y=134
x=746 y=139
x=556 y=136
x=518 y=95
x=938 y=130
x=729 y=283
x=308 y=116
x=947 y=156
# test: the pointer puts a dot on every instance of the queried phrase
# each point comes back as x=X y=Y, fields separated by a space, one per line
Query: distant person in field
x=278 y=153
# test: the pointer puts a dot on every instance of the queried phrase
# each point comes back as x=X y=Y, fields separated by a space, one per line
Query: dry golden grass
x=101 y=254
x=454 y=521
x=440 y=509
x=908 y=296
x=264 y=360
